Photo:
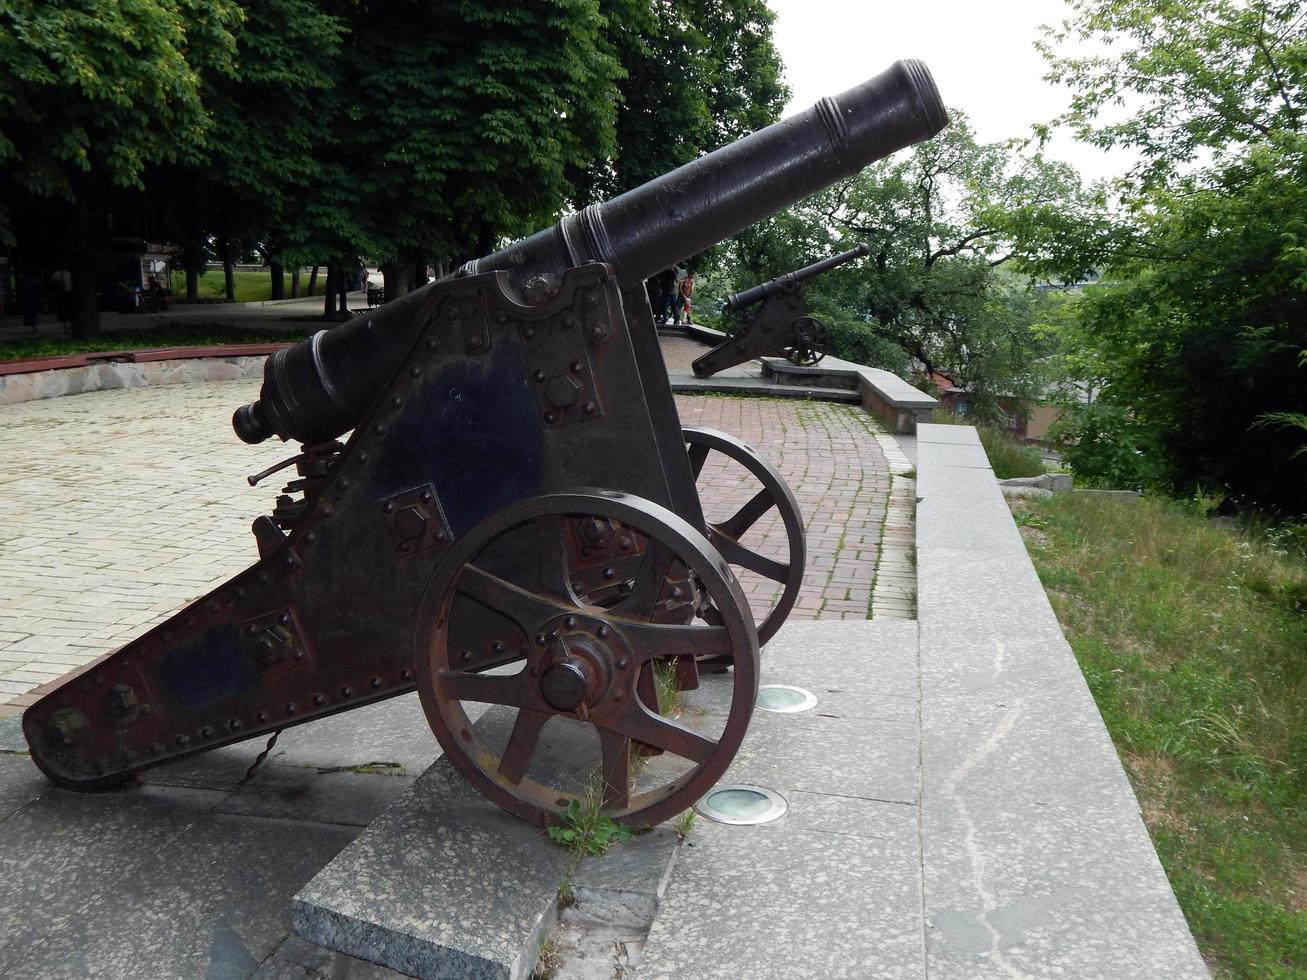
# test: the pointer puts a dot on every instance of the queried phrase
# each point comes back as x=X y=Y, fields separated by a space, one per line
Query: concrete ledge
x=101 y=373
x=887 y=396
x=1035 y=859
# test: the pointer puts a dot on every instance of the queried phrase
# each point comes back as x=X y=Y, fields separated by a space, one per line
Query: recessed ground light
x=785 y=698
x=742 y=805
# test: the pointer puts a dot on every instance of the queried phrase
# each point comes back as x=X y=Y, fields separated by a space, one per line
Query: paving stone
x=623 y=888
x=213 y=904
x=1038 y=890
x=11 y=735
x=297 y=793
x=1035 y=859
x=62 y=851
x=298 y=959
x=391 y=731
x=20 y=783
x=785 y=900
x=444 y=883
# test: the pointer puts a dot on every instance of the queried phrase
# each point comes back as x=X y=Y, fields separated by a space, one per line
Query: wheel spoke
x=698 y=453
x=747 y=516
x=524 y=608
x=650 y=640
x=640 y=724
x=617 y=769
x=521 y=744
x=551 y=558
x=486 y=688
x=737 y=554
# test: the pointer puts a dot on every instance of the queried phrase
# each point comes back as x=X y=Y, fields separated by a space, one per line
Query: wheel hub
x=564 y=685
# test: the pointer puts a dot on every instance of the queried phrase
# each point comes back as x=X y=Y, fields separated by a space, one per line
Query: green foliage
x=101 y=90
x=1007 y=457
x=1104 y=448
x=1196 y=333
x=584 y=831
x=1190 y=634
x=1205 y=75
x=698 y=74
x=940 y=220
x=857 y=341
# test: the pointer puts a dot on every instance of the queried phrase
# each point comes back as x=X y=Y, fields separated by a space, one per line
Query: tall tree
x=468 y=118
x=94 y=93
x=940 y=220
x=1200 y=330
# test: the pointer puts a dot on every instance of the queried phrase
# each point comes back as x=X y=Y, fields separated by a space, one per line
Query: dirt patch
x=1034 y=536
x=1298 y=891
x=1153 y=777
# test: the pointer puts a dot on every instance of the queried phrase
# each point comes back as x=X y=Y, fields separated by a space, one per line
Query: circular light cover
x=785 y=698
x=742 y=805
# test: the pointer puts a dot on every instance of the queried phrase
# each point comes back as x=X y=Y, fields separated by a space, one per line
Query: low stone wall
x=96 y=376
x=884 y=394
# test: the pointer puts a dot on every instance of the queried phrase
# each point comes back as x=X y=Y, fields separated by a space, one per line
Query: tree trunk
x=229 y=278
x=295 y=282
x=396 y=279
x=343 y=274
x=83 y=251
x=329 y=305
x=192 y=277
x=313 y=280
x=278 y=280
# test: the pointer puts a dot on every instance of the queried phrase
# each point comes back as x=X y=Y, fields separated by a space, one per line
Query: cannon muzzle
x=318 y=389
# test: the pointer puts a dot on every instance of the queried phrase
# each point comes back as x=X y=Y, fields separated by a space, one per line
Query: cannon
x=512 y=525
x=781 y=325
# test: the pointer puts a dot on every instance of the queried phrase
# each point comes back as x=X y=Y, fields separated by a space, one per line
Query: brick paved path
x=117 y=507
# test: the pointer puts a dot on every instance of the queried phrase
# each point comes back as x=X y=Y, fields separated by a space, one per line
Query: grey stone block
x=395 y=730
x=63 y=851
x=785 y=755
x=781 y=900
x=622 y=888
x=296 y=793
x=1029 y=890
x=298 y=959
x=443 y=884
x=20 y=783
x=214 y=904
x=11 y=734
x=217 y=769
x=953 y=435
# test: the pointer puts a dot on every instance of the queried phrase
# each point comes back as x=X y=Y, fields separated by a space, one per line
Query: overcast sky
x=982 y=55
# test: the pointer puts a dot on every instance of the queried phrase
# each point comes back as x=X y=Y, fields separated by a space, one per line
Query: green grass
x=1193 y=638
x=249 y=287
x=199 y=335
x=1008 y=457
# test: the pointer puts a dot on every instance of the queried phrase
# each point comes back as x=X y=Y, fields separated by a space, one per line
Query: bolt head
x=562 y=391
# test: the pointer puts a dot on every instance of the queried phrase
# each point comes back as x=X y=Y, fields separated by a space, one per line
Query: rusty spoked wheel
x=537 y=695
x=809 y=342
x=727 y=534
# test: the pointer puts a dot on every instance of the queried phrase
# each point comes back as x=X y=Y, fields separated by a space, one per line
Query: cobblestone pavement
x=117 y=507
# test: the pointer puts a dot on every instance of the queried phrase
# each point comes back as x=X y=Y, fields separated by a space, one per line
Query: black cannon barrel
x=755 y=294
x=319 y=388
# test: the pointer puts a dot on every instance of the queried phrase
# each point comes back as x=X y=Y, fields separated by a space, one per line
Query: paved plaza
x=117 y=507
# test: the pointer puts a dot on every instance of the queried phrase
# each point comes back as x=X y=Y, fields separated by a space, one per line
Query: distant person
x=361 y=274
x=30 y=299
x=61 y=296
x=685 y=291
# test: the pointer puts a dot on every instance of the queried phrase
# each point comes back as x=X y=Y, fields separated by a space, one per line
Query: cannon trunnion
x=513 y=526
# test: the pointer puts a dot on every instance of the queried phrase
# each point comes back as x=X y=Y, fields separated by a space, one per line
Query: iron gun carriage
x=513 y=520
x=781 y=324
